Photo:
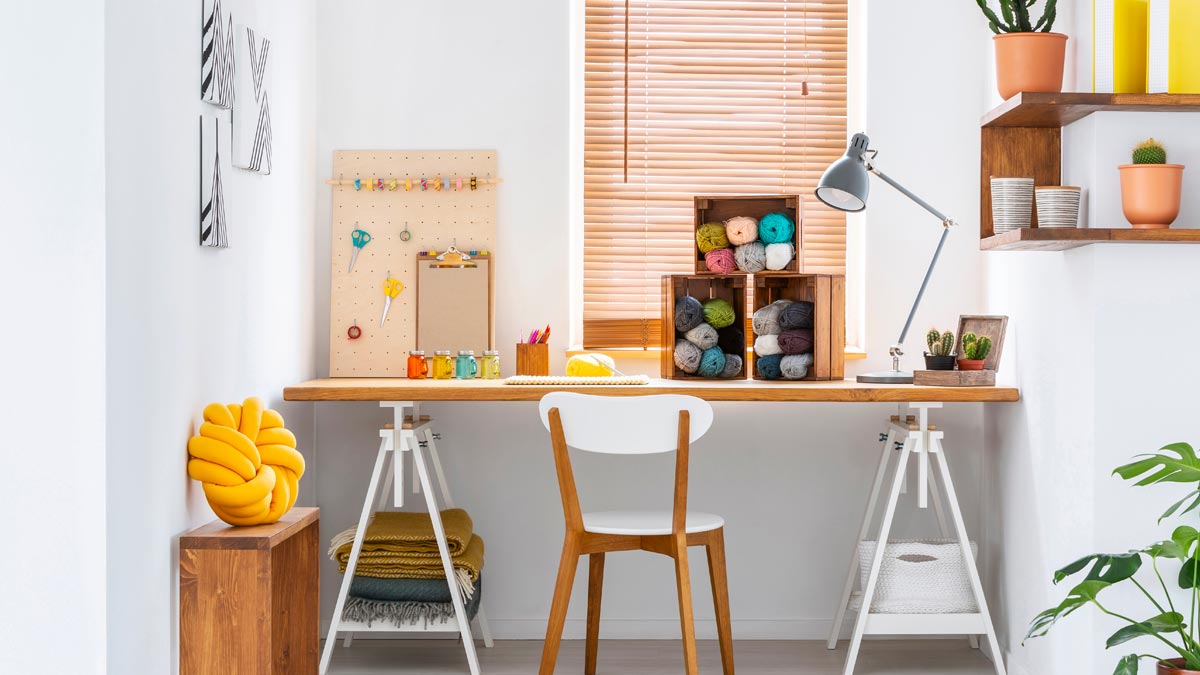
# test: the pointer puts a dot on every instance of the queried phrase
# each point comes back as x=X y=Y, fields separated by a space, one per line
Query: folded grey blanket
x=410 y=612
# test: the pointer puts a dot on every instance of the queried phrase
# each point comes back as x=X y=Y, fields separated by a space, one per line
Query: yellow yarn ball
x=711 y=236
x=590 y=365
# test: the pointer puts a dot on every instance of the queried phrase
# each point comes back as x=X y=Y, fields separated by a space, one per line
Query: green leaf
x=1079 y=596
x=1167 y=621
x=1107 y=567
x=1164 y=468
x=995 y=21
x=1128 y=665
x=1166 y=549
x=1194 y=496
x=1189 y=574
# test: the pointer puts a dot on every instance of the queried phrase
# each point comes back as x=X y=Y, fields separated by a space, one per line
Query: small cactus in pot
x=975 y=351
x=940 y=355
x=1151 y=189
x=1149 y=151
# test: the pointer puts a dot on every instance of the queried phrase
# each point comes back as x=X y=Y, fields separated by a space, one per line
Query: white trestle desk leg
x=965 y=544
x=430 y=441
x=385 y=446
x=936 y=494
x=889 y=442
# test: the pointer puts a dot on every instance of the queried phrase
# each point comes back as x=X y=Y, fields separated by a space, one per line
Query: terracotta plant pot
x=1029 y=62
x=1150 y=194
x=1176 y=668
x=935 y=362
x=971 y=364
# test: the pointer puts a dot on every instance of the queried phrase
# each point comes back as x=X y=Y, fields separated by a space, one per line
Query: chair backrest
x=626 y=425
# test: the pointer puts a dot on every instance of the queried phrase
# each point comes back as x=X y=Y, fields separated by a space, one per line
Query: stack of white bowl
x=1012 y=203
x=1057 y=206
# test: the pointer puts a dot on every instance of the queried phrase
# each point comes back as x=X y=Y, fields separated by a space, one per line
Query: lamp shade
x=846 y=184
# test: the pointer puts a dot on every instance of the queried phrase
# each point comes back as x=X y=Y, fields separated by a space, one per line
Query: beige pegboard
x=435 y=218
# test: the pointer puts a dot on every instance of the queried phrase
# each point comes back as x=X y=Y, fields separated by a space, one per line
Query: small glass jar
x=489 y=365
x=418 y=367
x=466 y=367
x=443 y=365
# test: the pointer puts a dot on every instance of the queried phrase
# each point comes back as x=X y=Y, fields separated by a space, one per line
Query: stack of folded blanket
x=400 y=577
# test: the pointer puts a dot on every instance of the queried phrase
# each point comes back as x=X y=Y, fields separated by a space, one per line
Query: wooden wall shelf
x=1023 y=137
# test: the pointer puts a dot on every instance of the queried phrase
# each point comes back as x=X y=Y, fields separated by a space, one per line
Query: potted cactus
x=941 y=350
x=1028 y=56
x=1151 y=188
x=975 y=349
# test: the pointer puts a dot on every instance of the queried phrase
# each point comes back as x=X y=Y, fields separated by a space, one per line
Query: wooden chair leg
x=595 y=590
x=687 y=621
x=562 y=598
x=720 y=591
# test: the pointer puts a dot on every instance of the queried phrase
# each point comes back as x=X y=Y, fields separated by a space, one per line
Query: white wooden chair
x=632 y=426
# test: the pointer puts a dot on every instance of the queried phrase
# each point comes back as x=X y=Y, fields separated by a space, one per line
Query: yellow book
x=1174 y=47
x=1119 y=34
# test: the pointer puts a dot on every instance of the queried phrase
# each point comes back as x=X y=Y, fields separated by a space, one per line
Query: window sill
x=852 y=353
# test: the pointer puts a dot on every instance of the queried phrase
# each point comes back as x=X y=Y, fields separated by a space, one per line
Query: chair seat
x=647 y=522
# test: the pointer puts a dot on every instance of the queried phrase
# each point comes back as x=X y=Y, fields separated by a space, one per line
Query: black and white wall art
x=213 y=232
x=252 y=109
x=216 y=56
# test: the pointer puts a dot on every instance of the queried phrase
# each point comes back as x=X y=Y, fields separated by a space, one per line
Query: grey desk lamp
x=845 y=186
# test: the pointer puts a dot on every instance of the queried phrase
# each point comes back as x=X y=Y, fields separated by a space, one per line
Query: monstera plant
x=1172 y=625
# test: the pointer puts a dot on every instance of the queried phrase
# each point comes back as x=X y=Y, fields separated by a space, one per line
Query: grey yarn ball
x=766 y=319
x=751 y=257
x=799 y=314
x=703 y=336
x=767 y=345
x=687 y=356
x=688 y=314
x=795 y=366
x=733 y=366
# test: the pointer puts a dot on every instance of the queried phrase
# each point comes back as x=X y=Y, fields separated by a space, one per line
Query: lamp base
x=886 y=377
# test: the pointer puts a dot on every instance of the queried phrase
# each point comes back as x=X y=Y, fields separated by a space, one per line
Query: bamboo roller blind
x=695 y=97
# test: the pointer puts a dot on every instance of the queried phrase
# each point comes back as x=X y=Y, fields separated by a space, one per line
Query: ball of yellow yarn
x=590 y=365
x=247 y=461
x=711 y=236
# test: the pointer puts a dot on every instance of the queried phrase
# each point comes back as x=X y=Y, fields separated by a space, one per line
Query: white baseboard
x=643 y=629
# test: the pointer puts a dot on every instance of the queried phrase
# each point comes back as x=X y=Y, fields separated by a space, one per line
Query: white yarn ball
x=767 y=345
x=779 y=255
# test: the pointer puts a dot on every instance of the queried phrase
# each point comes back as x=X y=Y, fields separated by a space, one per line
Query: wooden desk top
x=219 y=535
x=844 y=391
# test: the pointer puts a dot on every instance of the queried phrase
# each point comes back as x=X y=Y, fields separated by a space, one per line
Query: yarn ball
x=719 y=313
x=591 y=365
x=766 y=319
x=687 y=356
x=768 y=366
x=779 y=255
x=798 y=341
x=712 y=363
x=795 y=366
x=720 y=260
x=776 y=228
x=799 y=314
x=767 y=345
x=703 y=336
x=732 y=340
x=688 y=314
x=733 y=366
x=711 y=236
x=741 y=230
x=751 y=257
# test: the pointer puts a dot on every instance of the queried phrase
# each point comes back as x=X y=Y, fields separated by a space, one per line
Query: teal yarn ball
x=770 y=366
x=776 y=228
x=712 y=363
x=718 y=313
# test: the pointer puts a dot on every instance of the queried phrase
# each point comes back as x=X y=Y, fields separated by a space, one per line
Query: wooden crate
x=701 y=287
x=723 y=207
x=828 y=294
x=249 y=598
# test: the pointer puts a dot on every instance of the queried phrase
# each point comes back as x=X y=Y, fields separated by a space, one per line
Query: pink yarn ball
x=741 y=230
x=720 y=260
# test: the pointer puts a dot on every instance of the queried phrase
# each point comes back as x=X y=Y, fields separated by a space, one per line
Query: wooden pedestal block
x=954 y=378
x=248 y=598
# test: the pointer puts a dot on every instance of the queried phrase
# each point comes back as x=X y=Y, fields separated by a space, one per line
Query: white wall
x=52 y=298
x=505 y=85
x=186 y=325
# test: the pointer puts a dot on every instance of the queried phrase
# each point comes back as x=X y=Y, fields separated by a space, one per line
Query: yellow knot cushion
x=247 y=461
x=590 y=365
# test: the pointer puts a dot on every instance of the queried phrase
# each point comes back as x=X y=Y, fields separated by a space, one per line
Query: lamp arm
x=946 y=220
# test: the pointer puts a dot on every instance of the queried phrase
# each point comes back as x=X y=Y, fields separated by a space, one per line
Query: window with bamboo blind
x=700 y=97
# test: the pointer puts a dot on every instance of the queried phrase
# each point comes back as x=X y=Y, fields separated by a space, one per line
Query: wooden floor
x=651 y=657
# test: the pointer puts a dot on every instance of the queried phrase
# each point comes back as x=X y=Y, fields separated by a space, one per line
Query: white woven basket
x=926 y=576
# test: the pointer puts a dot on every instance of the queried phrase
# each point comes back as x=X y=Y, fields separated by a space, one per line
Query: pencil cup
x=533 y=359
